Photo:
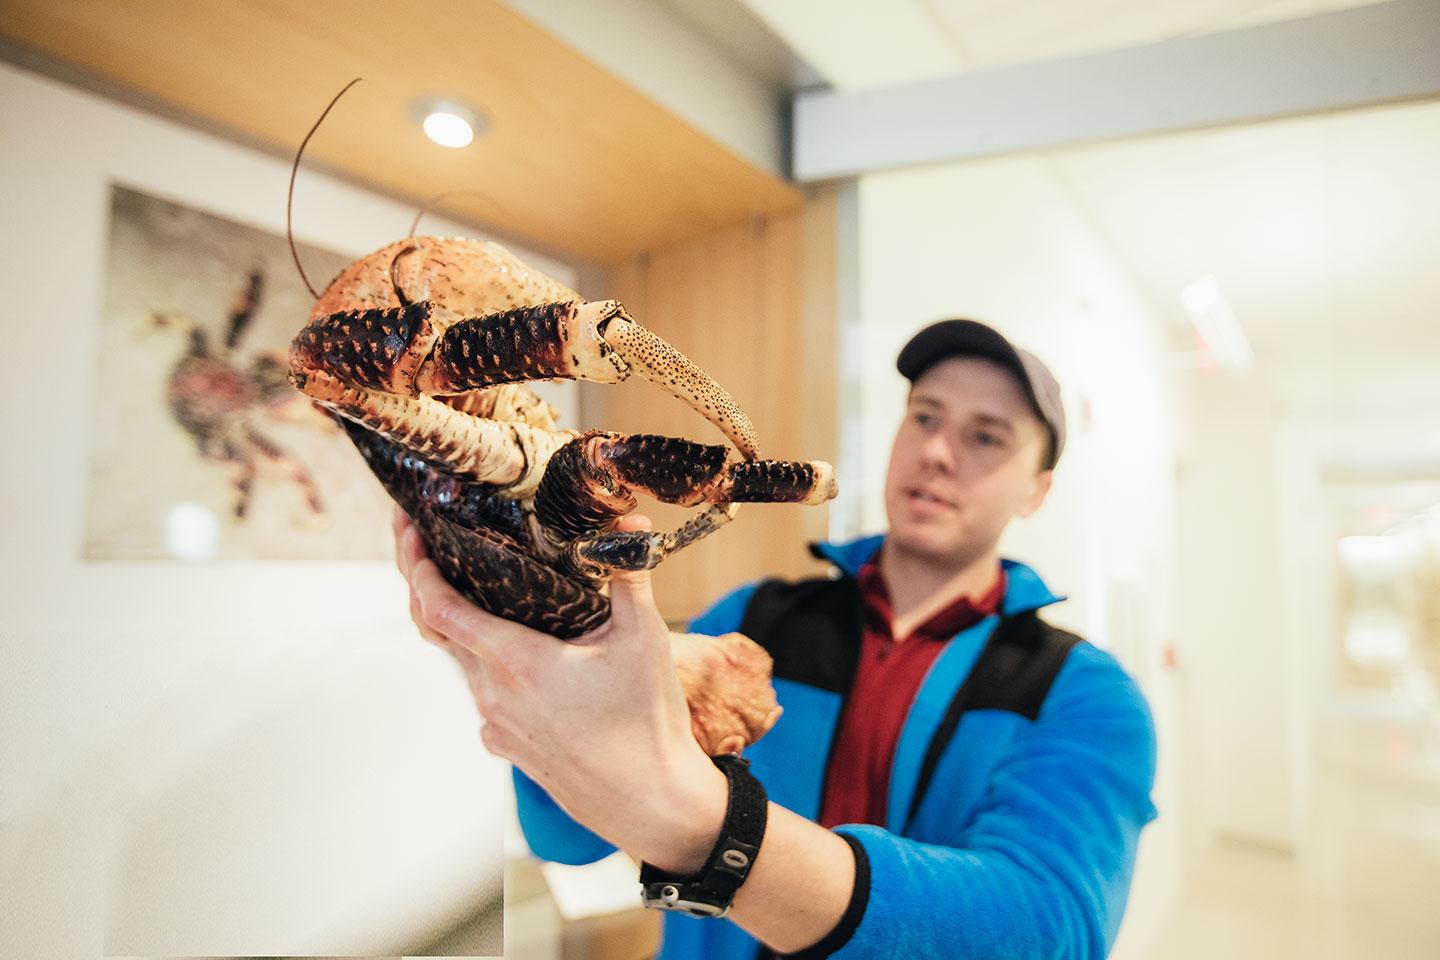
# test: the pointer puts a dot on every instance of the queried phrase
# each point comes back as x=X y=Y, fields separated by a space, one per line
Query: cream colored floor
x=1366 y=882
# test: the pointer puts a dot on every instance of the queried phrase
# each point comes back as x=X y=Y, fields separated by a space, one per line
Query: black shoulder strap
x=811 y=629
x=1013 y=672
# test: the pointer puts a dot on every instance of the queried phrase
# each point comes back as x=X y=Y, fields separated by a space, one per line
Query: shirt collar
x=961 y=612
x=1024 y=590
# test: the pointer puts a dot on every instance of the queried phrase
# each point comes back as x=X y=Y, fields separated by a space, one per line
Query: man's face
x=967 y=458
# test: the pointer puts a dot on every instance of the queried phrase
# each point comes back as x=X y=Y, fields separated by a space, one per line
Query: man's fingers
x=409 y=550
x=632 y=602
x=425 y=632
x=442 y=608
x=475 y=675
x=399 y=523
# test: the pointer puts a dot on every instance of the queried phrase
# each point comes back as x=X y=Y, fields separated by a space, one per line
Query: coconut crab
x=420 y=350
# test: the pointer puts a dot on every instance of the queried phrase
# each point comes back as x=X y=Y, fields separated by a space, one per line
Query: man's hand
x=600 y=722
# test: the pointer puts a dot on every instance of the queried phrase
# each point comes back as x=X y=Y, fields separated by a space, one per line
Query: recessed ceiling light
x=447 y=121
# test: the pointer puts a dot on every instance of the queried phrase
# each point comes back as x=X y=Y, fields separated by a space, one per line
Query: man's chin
x=924 y=543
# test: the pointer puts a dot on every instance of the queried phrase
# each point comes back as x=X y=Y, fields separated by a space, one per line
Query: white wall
x=217 y=759
x=1003 y=242
x=1233 y=644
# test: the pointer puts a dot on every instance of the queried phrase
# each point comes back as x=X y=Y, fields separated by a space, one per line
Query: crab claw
x=657 y=361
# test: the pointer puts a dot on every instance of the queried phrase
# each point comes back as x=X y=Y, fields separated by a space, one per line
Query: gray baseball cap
x=962 y=337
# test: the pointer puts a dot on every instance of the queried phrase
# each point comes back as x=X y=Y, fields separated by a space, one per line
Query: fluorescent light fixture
x=447 y=121
x=1219 y=330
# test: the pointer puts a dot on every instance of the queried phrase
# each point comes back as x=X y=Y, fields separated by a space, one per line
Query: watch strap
x=709 y=892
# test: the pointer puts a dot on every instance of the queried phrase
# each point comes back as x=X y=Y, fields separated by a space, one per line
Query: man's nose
x=938 y=453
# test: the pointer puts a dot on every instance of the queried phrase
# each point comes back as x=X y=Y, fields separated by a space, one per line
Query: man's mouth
x=920 y=495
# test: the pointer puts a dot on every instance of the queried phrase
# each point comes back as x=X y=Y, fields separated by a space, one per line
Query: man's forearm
x=801 y=882
x=800 y=885
x=803 y=876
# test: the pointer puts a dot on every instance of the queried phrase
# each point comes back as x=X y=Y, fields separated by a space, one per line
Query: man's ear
x=1038 y=492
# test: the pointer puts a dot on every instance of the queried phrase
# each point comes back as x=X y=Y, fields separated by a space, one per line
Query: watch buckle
x=668 y=898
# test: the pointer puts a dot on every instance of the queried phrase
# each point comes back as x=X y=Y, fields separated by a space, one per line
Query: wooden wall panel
x=755 y=307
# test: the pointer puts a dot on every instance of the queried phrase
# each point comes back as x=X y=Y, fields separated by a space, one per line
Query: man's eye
x=923 y=419
x=988 y=439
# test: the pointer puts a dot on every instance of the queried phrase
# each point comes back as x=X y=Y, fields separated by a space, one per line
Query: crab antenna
x=429 y=205
x=290 y=195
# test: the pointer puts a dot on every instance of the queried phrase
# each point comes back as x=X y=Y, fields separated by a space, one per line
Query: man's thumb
x=631 y=596
x=632 y=603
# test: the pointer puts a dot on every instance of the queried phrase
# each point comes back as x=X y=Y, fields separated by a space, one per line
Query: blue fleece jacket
x=1024 y=843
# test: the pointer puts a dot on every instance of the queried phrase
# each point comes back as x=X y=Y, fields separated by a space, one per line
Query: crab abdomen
x=481 y=542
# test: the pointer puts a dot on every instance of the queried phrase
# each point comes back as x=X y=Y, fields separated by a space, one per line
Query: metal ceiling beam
x=1363 y=56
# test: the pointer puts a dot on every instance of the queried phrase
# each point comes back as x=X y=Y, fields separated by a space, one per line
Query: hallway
x=1367 y=882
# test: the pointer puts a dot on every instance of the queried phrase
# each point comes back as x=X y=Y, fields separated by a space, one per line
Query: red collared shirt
x=886 y=681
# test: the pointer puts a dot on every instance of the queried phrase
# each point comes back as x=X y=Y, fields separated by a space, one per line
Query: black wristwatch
x=709 y=892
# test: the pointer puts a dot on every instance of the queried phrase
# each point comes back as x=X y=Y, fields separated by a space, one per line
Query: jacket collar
x=1024 y=590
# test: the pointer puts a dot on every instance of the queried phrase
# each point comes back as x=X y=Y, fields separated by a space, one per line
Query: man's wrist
x=687 y=813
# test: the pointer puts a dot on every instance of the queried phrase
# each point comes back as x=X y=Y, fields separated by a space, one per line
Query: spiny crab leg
x=592 y=480
x=594 y=341
x=597 y=555
x=511 y=455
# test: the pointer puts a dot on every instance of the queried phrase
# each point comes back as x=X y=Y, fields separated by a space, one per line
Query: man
x=951 y=777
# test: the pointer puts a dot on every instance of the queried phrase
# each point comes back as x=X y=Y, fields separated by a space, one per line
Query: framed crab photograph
x=201 y=447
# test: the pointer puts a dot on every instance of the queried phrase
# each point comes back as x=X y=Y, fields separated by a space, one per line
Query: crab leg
x=511 y=402
x=377 y=349
x=385 y=349
x=672 y=371
x=593 y=479
x=243 y=478
x=594 y=341
x=597 y=555
x=298 y=474
x=509 y=455
x=244 y=309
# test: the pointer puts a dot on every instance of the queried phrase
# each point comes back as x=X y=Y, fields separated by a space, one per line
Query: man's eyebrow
x=990 y=419
x=982 y=418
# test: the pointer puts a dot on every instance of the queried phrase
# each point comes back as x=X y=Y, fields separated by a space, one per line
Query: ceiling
x=855 y=46
x=738 y=33
x=577 y=162
x=1323 y=231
